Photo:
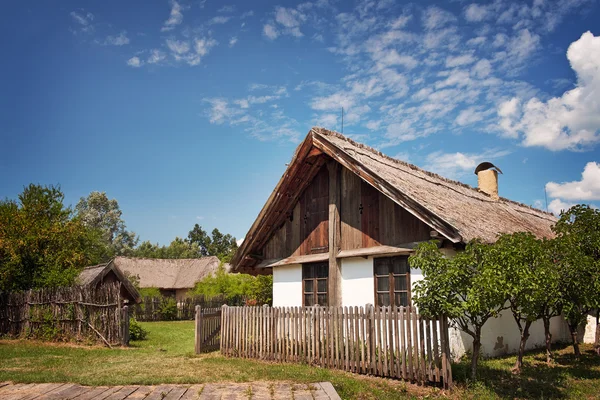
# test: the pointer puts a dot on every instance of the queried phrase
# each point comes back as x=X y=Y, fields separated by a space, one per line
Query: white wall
x=589 y=332
x=357 y=281
x=287 y=286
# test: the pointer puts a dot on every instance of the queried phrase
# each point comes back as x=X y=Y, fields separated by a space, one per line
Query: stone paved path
x=209 y=391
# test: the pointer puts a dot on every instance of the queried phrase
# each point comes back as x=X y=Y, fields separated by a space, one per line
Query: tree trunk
x=476 y=351
x=524 y=337
x=548 y=340
x=573 y=329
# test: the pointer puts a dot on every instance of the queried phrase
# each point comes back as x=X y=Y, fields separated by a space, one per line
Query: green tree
x=220 y=245
x=464 y=288
x=578 y=261
x=97 y=211
x=529 y=280
x=41 y=244
x=178 y=248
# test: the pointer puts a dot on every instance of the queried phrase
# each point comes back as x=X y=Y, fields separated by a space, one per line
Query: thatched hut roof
x=457 y=211
x=95 y=274
x=168 y=273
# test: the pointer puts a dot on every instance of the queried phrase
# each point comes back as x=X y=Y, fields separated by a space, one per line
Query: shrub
x=136 y=332
x=168 y=309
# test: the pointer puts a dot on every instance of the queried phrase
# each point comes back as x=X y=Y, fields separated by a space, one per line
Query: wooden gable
x=368 y=219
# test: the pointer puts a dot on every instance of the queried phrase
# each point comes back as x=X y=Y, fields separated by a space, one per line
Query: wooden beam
x=335 y=227
x=295 y=260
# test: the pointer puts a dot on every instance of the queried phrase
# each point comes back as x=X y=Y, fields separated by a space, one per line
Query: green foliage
x=218 y=244
x=103 y=215
x=136 y=332
x=236 y=287
x=465 y=288
x=41 y=243
x=150 y=292
x=178 y=248
x=168 y=309
x=577 y=259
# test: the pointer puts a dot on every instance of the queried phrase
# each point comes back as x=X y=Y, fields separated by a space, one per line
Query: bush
x=136 y=332
x=168 y=309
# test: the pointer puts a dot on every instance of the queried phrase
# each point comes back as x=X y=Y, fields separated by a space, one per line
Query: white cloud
x=204 y=45
x=220 y=111
x=435 y=18
x=453 y=165
x=556 y=206
x=233 y=41
x=156 y=56
x=240 y=241
x=219 y=20
x=175 y=18
x=476 y=12
x=178 y=47
x=84 y=20
x=482 y=69
x=270 y=31
x=468 y=116
x=588 y=188
x=390 y=57
x=135 y=62
x=334 y=102
x=457 y=61
x=120 y=40
x=571 y=121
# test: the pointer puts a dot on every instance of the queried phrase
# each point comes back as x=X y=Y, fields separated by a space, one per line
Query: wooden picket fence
x=207 y=329
x=383 y=341
x=70 y=313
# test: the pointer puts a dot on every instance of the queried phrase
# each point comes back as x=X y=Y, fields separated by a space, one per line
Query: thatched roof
x=457 y=211
x=168 y=274
x=92 y=275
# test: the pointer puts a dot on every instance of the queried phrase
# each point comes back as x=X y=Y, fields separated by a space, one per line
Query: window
x=392 y=281
x=314 y=284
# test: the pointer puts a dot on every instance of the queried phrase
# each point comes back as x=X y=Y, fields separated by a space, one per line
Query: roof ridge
x=328 y=132
x=167 y=259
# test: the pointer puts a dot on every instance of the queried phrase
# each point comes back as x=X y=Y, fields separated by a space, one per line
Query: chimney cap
x=486 y=165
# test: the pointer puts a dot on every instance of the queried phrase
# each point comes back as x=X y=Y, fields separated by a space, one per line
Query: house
x=101 y=274
x=173 y=277
x=343 y=219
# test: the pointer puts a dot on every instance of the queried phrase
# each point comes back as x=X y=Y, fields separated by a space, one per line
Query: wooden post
x=198 y=330
x=125 y=316
x=335 y=264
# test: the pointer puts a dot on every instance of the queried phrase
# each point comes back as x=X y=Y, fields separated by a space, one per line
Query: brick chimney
x=487 y=179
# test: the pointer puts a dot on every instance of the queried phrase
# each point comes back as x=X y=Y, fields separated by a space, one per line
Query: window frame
x=391 y=282
x=315 y=282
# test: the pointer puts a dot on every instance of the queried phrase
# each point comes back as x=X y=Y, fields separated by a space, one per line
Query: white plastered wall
x=287 y=286
x=357 y=281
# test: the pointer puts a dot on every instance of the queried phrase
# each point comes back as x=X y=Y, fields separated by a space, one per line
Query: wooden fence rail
x=207 y=329
x=383 y=341
x=71 y=313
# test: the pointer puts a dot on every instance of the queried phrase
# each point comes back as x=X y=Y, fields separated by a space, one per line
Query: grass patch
x=167 y=357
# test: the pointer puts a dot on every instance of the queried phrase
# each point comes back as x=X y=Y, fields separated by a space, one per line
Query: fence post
x=198 y=330
x=125 y=315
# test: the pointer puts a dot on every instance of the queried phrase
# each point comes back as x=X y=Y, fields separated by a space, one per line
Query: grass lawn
x=167 y=357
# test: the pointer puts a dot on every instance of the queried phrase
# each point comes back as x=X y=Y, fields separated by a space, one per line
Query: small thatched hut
x=101 y=274
x=173 y=277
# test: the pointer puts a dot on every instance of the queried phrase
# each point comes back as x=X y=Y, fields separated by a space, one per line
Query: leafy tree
x=464 y=288
x=41 y=244
x=218 y=244
x=578 y=261
x=178 y=248
x=529 y=280
x=99 y=212
x=236 y=287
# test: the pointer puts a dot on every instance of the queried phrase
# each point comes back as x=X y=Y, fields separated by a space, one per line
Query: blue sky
x=187 y=111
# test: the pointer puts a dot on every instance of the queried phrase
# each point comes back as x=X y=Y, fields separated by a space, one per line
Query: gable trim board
x=95 y=274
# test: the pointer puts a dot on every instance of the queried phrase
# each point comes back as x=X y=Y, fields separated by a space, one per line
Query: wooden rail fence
x=207 y=329
x=71 y=313
x=383 y=341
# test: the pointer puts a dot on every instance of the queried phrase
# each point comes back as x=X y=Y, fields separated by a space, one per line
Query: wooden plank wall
x=383 y=341
x=306 y=229
x=370 y=218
